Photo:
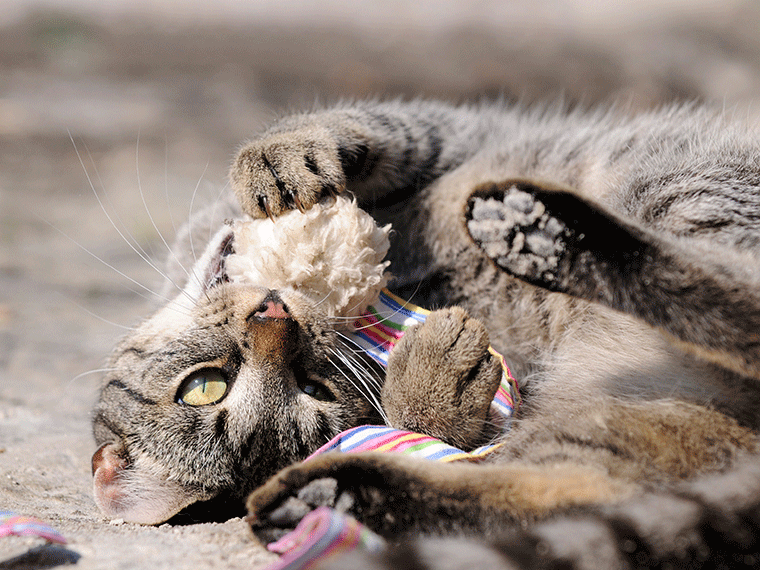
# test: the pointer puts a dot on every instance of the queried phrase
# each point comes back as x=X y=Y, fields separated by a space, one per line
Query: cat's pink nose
x=272 y=308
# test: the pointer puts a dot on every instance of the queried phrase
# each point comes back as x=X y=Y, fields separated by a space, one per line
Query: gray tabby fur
x=612 y=259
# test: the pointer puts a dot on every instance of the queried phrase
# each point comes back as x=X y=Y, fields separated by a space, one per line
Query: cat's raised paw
x=512 y=225
x=286 y=171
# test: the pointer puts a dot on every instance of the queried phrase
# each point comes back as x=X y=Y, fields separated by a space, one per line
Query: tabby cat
x=612 y=259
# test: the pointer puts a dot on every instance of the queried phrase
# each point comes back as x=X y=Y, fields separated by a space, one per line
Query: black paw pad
x=516 y=231
x=286 y=516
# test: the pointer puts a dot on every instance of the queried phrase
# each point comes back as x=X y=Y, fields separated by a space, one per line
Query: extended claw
x=297 y=202
x=264 y=205
x=330 y=190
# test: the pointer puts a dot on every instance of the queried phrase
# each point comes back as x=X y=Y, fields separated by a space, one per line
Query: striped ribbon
x=323 y=533
x=11 y=523
x=386 y=439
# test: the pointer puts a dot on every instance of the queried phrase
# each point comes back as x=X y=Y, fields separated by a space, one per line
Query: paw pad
x=519 y=234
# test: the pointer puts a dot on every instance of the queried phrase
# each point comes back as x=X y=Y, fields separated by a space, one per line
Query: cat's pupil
x=315 y=390
x=203 y=387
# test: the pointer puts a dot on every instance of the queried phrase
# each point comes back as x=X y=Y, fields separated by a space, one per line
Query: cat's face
x=217 y=391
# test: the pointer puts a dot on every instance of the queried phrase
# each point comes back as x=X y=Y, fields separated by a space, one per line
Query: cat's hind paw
x=552 y=237
x=287 y=514
x=514 y=227
x=353 y=484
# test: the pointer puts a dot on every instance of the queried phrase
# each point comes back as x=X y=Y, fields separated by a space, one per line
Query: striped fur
x=612 y=260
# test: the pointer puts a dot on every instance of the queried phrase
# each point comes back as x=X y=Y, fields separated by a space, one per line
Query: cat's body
x=640 y=371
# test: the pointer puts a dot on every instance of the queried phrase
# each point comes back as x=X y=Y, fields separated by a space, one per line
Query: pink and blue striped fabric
x=322 y=534
x=386 y=439
x=13 y=524
x=383 y=324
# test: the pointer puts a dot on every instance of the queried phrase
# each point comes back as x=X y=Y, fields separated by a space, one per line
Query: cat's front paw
x=287 y=170
x=442 y=378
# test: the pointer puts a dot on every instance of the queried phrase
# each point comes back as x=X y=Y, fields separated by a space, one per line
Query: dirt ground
x=116 y=120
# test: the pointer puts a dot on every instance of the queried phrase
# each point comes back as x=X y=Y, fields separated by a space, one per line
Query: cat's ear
x=143 y=499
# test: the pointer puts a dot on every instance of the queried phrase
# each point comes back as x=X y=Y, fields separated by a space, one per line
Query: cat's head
x=226 y=384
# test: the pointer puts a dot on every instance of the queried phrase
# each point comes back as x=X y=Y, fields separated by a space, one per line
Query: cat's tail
x=707 y=301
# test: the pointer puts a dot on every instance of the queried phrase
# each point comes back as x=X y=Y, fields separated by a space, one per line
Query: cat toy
x=334 y=255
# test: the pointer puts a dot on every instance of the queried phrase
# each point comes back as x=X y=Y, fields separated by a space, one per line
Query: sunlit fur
x=621 y=398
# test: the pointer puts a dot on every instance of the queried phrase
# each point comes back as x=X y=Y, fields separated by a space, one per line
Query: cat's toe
x=513 y=226
x=282 y=517
x=319 y=493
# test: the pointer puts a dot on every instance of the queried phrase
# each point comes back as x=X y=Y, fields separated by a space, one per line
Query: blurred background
x=117 y=118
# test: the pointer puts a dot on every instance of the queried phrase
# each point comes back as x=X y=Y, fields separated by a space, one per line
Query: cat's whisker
x=340 y=320
x=88 y=373
x=372 y=374
x=349 y=343
x=212 y=219
x=361 y=386
x=190 y=213
x=321 y=301
x=150 y=216
x=100 y=318
x=103 y=261
x=132 y=242
x=369 y=380
x=166 y=194
x=372 y=386
x=201 y=282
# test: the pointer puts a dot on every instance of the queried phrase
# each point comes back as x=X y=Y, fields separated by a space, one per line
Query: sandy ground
x=114 y=118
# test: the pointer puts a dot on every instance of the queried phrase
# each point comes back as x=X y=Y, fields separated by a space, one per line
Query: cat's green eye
x=203 y=387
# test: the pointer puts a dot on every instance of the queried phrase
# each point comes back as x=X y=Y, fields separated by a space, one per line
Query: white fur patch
x=332 y=254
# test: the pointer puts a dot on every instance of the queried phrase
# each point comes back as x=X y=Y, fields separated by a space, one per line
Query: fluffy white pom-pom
x=333 y=254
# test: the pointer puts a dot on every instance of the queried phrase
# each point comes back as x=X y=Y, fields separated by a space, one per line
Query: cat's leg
x=398 y=495
x=442 y=378
x=707 y=301
x=708 y=523
x=551 y=463
x=381 y=152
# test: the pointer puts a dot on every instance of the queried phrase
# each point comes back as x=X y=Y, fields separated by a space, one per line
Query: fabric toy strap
x=11 y=523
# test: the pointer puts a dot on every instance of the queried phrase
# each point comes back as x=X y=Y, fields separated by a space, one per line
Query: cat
x=611 y=258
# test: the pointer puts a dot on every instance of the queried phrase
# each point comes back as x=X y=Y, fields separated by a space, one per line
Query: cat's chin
x=120 y=493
